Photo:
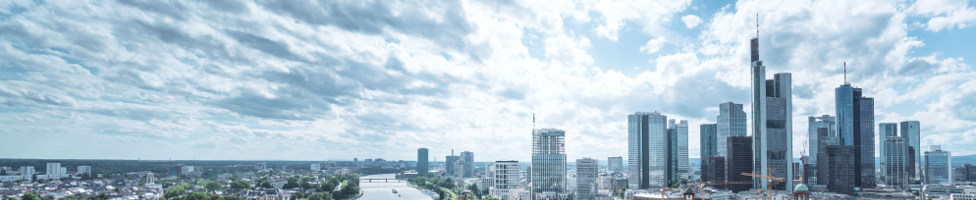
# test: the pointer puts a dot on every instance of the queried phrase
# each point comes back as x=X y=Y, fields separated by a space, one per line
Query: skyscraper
x=709 y=141
x=449 y=162
x=938 y=166
x=647 y=150
x=739 y=161
x=895 y=153
x=855 y=122
x=911 y=131
x=587 y=170
x=837 y=163
x=713 y=169
x=468 y=158
x=772 y=111
x=731 y=122
x=549 y=161
x=886 y=130
x=819 y=127
x=615 y=164
x=680 y=157
x=422 y=166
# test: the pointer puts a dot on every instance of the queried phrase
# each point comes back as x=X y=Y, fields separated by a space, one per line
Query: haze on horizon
x=336 y=80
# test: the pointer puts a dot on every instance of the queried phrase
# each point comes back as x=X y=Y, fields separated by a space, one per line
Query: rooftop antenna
x=533 y=121
x=845 y=72
x=757 y=24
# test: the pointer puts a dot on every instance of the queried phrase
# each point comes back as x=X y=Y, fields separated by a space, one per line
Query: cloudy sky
x=298 y=80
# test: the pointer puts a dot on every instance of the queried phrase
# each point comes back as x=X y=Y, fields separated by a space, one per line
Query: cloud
x=653 y=45
x=945 y=14
x=691 y=21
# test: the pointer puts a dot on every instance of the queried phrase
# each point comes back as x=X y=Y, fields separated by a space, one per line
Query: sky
x=336 y=80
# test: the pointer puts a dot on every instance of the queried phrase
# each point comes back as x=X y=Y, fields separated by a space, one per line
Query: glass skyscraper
x=895 y=153
x=910 y=130
x=679 y=147
x=548 y=161
x=855 y=123
x=772 y=111
x=731 y=122
x=820 y=129
x=938 y=166
x=709 y=141
x=422 y=166
x=647 y=150
x=885 y=130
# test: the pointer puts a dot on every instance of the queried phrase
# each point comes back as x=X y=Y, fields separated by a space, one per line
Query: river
x=383 y=190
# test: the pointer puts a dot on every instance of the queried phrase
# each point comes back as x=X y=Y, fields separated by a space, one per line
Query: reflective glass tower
x=885 y=130
x=772 y=111
x=938 y=166
x=731 y=122
x=855 y=123
x=548 y=160
x=709 y=140
x=911 y=132
x=647 y=150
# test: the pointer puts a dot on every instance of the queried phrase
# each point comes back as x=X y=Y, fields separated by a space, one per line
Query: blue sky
x=307 y=80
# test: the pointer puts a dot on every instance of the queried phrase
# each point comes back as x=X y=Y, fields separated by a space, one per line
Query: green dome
x=801 y=188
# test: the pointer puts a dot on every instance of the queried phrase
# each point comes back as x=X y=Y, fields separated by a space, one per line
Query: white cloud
x=945 y=14
x=691 y=21
x=653 y=45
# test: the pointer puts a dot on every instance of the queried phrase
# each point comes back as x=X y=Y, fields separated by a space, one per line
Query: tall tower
x=772 y=111
x=910 y=130
x=731 y=122
x=647 y=150
x=422 y=166
x=855 y=122
x=548 y=160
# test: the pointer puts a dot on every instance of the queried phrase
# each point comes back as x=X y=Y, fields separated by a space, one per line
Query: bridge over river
x=380 y=187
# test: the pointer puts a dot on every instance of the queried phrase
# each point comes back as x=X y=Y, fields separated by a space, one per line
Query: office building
x=739 y=161
x=505 y=177
x=731 y=122
x=468 y=158
x=772 y=123
x=819 y=129
x=896 y=154
x=647 y=150
x=709 y=140
x=938 y=166
x=315 y=167
x=587 y=170
x=679 y=147
x=615 y=164
x=837 y=168
x=422 y=166
x=885 y=130
x=966 y=173
x=713 y=169
x=449 y=162
x=27 y=172
x=548 y=161
x=55 y=171
x=855 y=125
x=911 y=131
x=84 y=170
x=460 y=166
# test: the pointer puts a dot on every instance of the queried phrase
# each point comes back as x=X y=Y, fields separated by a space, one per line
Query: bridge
x=379 y=179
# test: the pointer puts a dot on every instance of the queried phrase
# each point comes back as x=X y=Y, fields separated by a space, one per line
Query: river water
x=382 y=190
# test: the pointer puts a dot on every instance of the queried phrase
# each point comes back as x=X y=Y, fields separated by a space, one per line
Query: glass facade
x=731 y=122
x=910 y=131
x=648 y=153
x=549 y=160
x=885 y=130
x=709 y=140
x=938 y=166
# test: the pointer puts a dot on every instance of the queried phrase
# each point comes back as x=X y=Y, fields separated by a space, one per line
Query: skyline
x=303 y=81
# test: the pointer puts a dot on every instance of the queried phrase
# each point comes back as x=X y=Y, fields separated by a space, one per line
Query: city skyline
x=279 y=81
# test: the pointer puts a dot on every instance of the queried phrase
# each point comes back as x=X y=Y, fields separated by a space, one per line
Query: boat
x=394 y=191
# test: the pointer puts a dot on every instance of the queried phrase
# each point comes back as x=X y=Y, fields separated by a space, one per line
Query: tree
x=240 y=184
x=292 y=183
x=474 y=190
x=31 y=196
x=197 y=196
x=491 y=198
x=174 y=191
x=320 y=196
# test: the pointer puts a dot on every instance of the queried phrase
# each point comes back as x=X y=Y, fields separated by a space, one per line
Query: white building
x=316 y=167
x=505 y=177
x=587 y=171
x=84 y=170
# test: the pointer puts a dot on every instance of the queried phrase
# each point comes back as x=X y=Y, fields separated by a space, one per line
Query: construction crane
x=701 y=185
x=769 y=178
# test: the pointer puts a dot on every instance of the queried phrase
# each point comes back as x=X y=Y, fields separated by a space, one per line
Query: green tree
x=491 y=198
x=320 y=196
x=198 y=196
x=292 y=183
x=474 y=190
x=174 y=191
x=31 y=196
x=241 y=184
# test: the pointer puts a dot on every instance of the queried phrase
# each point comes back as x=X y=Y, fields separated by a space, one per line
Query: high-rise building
x=84 y=170
x=679 y=147
x=820 y=128
x=54 y=171
x=709 y=141
x=837 y=168
x=615 y=164
x=647 y=150
x=548 y=161
x=468 y=158
x=772 y=111
x=422 y=166
x=895 y=161
x=731 y=122
x=938 y=166
x=587 y=170
x=505 y=177
x=739 y=161
x=449 y=162
x=855 y=123
x=885 y=130
x=27 y=172
x=911 y=131
x=967 y=173
x=713 y=169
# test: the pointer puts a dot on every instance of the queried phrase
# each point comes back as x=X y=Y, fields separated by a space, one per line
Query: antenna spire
x=845 y=75
x=757 y=24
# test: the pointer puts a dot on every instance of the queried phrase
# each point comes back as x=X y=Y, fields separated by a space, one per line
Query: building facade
x=837 y=165
x=587 y=171
x=820 y=128
x=615 y=164
x=772 y=111
x=548 y=161
x=468 y=158
x=647 y=150
x=739 y=161
x=709 y=140
x=505 y=177
x=911 y=131
x=681 y=146
x=938 y=166
x=885 y=130
x=422 y=165
x=855 y=122
x=896 y=154
x=713 y=169
x=731 y=122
